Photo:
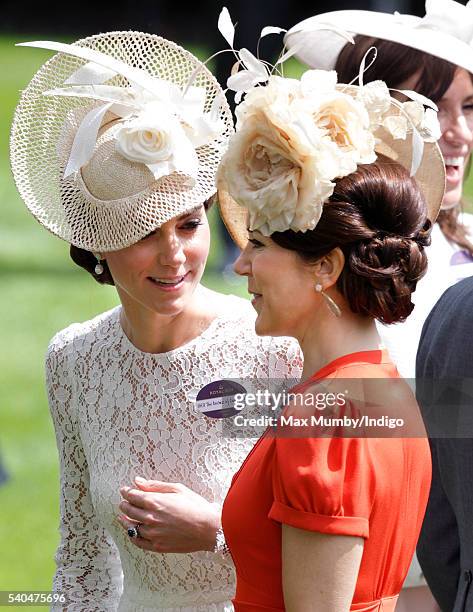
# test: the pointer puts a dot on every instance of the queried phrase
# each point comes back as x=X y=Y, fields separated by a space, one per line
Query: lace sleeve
x=88 y=566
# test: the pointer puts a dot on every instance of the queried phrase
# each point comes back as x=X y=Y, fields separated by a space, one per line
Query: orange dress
x=370 y=487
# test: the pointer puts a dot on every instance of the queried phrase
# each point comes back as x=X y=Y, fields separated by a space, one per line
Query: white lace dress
x=121 y=413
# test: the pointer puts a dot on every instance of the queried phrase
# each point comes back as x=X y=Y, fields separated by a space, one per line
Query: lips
x=454 y=168
x=168 y=283
x=253 y=292
x=255 y=295
x=454 y=161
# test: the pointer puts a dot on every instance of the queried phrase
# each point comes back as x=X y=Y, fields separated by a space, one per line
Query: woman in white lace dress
x=115 y=146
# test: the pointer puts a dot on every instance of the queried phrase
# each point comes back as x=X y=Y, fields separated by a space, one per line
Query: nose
x=457 y=131
x=242 y=265
x=170 y=249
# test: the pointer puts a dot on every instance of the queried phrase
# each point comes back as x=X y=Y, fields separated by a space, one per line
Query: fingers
x=146 y=536
x=157 y=485
x=138 y=515
x=144 y=544
x=137 y=498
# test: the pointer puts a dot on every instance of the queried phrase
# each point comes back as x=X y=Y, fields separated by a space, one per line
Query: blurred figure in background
x=3 y=473
x=444 y=361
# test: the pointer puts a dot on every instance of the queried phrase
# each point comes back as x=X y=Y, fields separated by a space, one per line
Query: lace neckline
x=184 y=347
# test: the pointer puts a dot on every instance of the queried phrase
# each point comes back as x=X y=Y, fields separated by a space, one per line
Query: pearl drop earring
x=98 y=267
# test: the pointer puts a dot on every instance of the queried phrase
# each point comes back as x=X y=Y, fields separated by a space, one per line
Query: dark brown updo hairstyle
x=395 y=63
x=378 y=217
x=88 y=261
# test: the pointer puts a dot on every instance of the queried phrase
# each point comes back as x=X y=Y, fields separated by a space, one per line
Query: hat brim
x=430 y=178
x=320 y=48
x=45 y=127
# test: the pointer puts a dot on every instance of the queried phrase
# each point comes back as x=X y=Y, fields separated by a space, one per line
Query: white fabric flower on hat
x=425 y=120
x=376 y=99
x=156 y=138
x=346 y=124
x=289 y=148
x=397 y=126
x=293 y=139
x=413 y=116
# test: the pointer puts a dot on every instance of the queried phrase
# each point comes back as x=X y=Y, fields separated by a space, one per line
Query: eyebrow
x=191 y=212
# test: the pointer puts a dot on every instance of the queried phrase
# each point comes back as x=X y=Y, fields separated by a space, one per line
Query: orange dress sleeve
x=323 y=484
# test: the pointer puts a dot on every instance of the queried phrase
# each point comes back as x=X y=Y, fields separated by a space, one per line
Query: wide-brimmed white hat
x=115 y=135
x=446 y=31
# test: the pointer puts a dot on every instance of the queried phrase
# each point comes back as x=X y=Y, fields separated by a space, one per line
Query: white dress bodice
x=121 y=413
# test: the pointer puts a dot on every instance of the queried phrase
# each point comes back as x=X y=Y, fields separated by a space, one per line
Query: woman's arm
x=319 y=571
x=88 y=571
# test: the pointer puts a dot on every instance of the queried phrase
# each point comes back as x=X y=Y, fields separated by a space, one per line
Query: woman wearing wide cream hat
x=323 y=185
x=432 y=55
x=114 y=148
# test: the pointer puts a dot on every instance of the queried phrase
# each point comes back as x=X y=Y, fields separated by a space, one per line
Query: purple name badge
x=461 y=257
x=217 y=399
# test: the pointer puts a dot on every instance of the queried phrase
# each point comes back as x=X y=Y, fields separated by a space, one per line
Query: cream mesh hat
x=115 y=135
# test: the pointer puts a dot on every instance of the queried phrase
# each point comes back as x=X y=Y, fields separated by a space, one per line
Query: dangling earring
x=98 y=267
x=328 y=300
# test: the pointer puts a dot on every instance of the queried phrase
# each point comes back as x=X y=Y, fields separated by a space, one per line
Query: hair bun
x=385 y=271
x=378 y=217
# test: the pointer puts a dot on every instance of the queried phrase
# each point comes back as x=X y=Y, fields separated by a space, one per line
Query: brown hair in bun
x=377 y=216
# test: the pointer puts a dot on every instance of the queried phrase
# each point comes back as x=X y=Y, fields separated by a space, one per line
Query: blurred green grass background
x=41 y=292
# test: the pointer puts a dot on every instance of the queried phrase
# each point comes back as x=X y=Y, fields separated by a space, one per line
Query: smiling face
x=281 y=285
x=456 y=122
x=161 y=272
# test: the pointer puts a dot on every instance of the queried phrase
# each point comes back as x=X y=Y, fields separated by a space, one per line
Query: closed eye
x=192 y=224
x=153 y=233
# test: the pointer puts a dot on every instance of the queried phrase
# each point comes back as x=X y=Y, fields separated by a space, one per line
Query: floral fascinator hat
x=294 y=138
x=115 y=135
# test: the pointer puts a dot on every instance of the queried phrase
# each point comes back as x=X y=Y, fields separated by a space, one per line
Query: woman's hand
x=171 y=517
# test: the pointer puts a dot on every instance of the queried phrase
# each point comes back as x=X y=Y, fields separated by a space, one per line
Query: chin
x=451 y=198
x=264 y=328
x=169 y=309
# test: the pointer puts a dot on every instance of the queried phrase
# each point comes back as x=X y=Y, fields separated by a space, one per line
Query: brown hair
x=395 y=63
x=88 y=261
x=377 y=216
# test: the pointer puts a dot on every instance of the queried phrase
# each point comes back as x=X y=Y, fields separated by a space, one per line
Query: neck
x=328 y=337
x=152 y=332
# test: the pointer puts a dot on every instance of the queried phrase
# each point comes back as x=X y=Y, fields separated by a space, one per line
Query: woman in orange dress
x=324 y=516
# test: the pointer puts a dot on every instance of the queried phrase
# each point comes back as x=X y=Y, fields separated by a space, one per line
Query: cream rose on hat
x=157 y=139
x=295 y=138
